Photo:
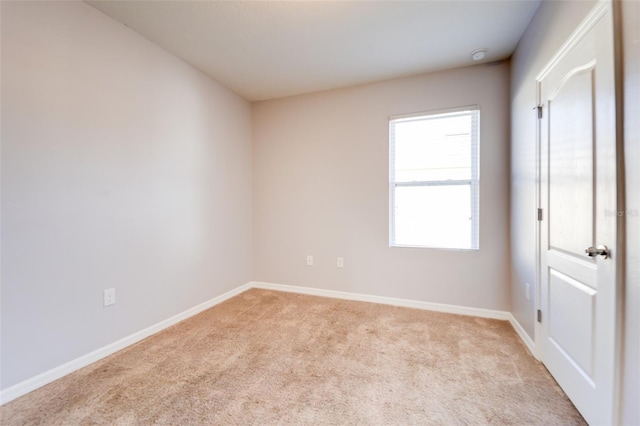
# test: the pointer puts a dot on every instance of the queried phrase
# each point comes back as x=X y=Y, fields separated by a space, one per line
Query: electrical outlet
x=340 y=262
x=109 y=297
x=527 y=290
x=309 y=260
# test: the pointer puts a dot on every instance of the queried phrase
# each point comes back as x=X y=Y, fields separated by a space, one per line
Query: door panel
x=571 y=163
x=571 y=316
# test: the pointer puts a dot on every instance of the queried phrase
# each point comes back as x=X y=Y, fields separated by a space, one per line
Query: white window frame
x=474 y=182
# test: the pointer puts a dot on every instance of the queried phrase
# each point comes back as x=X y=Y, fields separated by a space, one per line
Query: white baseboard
x=524 y=336
x=22 y=388
x=407 y=303
x=438 y=307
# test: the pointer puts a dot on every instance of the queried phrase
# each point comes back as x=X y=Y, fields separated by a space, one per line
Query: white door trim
x=589 y=21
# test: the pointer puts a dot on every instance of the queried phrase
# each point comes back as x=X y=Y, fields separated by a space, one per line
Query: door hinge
x=539 y=214
x=539 y=108
x=539 y=315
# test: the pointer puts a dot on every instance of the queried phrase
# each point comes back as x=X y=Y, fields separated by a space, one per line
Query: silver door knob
x=601 y=250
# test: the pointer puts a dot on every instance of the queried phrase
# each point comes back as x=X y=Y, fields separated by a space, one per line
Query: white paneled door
x=578 y=201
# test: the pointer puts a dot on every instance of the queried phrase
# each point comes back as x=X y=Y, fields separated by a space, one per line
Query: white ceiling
x=271 y=49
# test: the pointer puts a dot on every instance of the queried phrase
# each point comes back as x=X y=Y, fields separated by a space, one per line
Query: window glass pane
x=433 y=216
x=433 y=148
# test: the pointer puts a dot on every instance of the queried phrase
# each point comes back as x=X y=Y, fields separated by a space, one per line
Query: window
x=434 y=179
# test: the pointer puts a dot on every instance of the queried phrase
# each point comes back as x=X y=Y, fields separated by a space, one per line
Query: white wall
x=320 y=187
x=552 y=24
x=631 y=46
x=121 y=167
x=550 y=27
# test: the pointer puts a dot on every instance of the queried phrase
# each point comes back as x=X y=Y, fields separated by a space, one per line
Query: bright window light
x=434 y=179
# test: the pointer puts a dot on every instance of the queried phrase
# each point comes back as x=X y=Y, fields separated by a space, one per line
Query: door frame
x=599 y=9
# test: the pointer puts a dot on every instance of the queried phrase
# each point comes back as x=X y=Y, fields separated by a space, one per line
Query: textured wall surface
x=552 y=24
x=321 y=188
x=122 y=167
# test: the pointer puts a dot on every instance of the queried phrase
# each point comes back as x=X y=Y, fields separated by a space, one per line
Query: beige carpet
x=268 y=357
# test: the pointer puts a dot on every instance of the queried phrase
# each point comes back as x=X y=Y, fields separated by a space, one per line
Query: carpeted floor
x=268 y=357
